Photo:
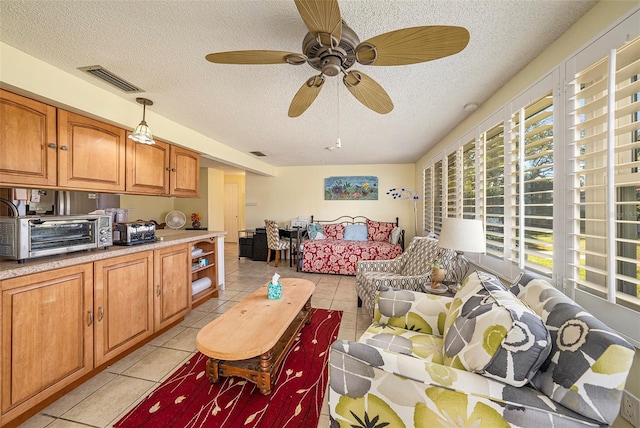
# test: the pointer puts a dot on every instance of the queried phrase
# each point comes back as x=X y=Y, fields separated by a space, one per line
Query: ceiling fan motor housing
x=331 y=60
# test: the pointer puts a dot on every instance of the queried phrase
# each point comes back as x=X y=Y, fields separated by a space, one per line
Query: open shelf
x=209 y=270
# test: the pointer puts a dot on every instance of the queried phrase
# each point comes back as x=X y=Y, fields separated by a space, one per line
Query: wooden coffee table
x=251 y=339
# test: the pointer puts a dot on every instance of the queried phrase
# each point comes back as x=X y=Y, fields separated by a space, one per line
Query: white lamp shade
x=464 y=235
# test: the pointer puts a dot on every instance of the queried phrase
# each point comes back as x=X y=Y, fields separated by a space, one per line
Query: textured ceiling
x=160 y=46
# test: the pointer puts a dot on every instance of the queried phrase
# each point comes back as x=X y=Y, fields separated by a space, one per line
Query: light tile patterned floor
x=105 y=398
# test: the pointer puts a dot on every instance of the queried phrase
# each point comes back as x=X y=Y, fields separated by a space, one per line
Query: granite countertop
x=165 y=238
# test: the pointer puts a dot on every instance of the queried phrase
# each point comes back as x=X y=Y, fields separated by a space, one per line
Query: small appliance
x=26 y=237
x=133 y=233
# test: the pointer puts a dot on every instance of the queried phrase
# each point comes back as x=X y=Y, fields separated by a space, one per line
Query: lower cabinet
x=47 y=335
x=123 y=303
x=172 y=288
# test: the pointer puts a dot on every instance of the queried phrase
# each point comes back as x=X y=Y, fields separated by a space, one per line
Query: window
x=532 y=195
x=606 y=188
x=469 y=180
x=493 y=167
x=452 y=185
x=438 y=187
x=428 y=199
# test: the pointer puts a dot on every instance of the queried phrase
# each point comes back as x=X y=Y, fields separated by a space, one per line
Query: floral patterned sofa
x=488 y=357
x=336 y=246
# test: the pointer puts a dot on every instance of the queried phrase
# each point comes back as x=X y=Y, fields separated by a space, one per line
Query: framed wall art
x=357 y=188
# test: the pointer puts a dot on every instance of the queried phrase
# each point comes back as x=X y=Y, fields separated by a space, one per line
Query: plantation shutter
x=428 y=199
x=438 y=209
x=469 y=180
x=452 y=185
x=532 y=191
x=606 y=150
x=493 y=168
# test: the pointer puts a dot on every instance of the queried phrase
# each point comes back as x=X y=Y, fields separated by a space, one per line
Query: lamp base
x=457 y=268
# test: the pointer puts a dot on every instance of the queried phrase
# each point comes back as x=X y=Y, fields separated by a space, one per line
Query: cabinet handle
x=158 y=291
x=53 y=145
x=100 y=313
x=173 y=170
x=168 y=169
x=64 y=148
x=90 y=313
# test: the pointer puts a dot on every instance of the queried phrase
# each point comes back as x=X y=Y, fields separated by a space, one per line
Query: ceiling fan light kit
x=332 y=48
x=142 y=133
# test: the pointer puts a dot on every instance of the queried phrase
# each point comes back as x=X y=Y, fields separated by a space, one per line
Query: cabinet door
x=148 y=168
x=172 y=271
x=91 y=154
x=185 y=172
x=47 y=335
x=123 y=303
x=27 y=142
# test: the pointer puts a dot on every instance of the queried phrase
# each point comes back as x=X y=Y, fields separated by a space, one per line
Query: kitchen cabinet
x=172 y=288
x=162 y=169
x=184 y=168
x=204 y=265
x=123 y=303
x=91 y=154
x=47 y=335
x=28 y=143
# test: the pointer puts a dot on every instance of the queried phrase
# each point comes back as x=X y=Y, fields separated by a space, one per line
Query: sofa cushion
x=588 y=363
x=379 y=231
x=490 y=331
x=334 y=231
x=355 y=232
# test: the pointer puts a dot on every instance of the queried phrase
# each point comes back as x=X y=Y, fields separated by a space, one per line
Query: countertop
x=165 y=238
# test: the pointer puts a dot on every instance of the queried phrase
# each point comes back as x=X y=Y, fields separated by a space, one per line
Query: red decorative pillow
x=379 y=231
x=333 y=231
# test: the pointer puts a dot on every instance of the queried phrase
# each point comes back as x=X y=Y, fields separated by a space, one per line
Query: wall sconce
x=142 y=133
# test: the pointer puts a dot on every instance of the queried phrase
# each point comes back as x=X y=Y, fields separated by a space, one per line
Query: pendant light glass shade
x=142 y=133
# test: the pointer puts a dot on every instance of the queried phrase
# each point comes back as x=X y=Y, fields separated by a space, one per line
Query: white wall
x=299 y=191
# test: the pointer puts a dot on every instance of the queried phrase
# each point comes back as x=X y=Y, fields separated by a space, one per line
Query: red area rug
x=188 y=399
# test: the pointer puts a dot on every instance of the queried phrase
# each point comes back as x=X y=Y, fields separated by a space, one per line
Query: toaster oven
x=27 y=237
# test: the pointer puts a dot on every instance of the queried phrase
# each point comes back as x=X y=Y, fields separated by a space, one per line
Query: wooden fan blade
x=255 y=57
x=306 y=95
x=322 y=16
x=412 y=45
x=368 y=91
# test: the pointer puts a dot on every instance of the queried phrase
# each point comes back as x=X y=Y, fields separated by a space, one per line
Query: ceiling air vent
x=104 y=74
x=259 y=154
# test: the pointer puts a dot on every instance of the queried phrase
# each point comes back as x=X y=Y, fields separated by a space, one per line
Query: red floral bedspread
x=340 y=257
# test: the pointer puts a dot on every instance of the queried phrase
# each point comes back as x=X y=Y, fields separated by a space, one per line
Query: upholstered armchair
x=273 y=240
x=410 y=271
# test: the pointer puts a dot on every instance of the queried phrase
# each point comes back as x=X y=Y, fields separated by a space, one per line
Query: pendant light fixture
x=142 y=133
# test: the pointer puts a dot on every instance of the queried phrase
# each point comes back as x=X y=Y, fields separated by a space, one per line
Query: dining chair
x=273 y=241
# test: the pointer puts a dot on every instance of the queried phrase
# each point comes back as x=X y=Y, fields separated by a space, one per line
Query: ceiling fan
x=332 y=47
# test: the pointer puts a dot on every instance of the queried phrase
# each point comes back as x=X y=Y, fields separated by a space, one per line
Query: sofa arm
x=367 y=383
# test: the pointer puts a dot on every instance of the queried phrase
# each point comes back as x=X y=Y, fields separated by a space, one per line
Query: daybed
x=527 y=356
x=335 y=246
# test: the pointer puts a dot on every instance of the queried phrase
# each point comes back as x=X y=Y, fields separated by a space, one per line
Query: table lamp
x=461 y=235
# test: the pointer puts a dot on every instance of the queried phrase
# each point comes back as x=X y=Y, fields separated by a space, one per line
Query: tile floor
x=105 y=398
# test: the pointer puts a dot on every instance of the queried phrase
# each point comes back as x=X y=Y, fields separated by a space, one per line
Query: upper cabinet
x=148 y=168
x=28 y=142
x=185 y=172
x=162 y=169
x=91 y=154
x=41 y=146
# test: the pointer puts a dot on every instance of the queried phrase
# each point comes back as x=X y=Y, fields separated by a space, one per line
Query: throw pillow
x=355 y=232
x=334 y=231
x=379 y=231
x=319 y=235
x=490 y=331
x=313 y=229
x=395 y=235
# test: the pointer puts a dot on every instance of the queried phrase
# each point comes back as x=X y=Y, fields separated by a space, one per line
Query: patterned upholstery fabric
x=382 y=380
x=273 y=236
x=379 y=231
x=589 y=362
x=333 y=231
x=410 y=271
x=337 y=256
x=490 y=331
